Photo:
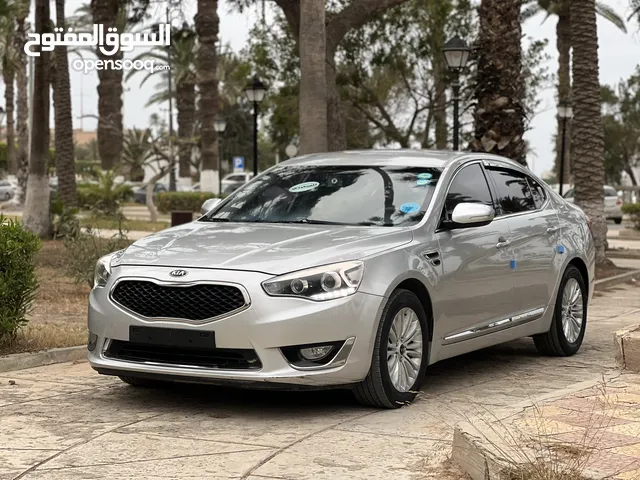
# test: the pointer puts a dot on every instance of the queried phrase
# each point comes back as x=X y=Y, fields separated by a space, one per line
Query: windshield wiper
x=217 y=219
x=311 y=222
x=375 y=224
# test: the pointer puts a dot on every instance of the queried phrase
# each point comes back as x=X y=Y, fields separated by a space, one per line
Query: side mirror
x=208 y=205
x=471 y=215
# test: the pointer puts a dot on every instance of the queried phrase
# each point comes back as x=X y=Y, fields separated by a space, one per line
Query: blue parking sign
x=238 y=163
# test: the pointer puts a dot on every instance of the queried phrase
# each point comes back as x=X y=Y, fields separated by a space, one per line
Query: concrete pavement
x=67 y=422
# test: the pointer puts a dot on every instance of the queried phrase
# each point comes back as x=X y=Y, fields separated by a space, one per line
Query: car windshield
x=341 y=195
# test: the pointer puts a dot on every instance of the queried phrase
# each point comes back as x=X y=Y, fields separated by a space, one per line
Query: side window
x=539 y=195
x=514 y=195
x=569 y=194
x=468 y=186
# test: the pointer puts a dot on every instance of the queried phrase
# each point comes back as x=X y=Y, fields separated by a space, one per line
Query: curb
x=629 y=253
x=616 y=280
x=21 y=361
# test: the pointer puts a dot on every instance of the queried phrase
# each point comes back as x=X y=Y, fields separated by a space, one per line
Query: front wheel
x=569 y=323
x=400 y=354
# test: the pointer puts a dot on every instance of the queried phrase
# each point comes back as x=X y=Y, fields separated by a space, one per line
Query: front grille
x=197 y=302
x=223 y=358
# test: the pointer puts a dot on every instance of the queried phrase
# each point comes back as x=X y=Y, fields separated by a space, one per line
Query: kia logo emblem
x=178 y=273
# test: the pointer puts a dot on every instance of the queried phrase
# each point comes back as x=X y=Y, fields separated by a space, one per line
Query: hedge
x=633 y=210
x=168 y=202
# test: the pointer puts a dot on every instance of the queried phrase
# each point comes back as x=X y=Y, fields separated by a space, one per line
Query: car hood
x=267 y=248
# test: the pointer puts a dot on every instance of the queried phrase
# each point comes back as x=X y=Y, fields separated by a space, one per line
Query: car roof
x=399 y=157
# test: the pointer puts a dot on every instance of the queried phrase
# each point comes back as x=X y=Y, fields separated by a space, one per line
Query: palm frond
x=605 y=11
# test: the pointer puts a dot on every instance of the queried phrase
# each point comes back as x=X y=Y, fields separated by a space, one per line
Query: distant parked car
x=232 y=182
x=140 y=194
x=612 y=203
x=7 y=191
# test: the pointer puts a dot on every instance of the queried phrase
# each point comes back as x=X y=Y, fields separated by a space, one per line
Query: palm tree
x=313 y=81
x=9 y=59
x=499 y=92
x=36 y=213
x=207 y=25
x=588 y=134
x=137 y=152
x=107 y=13
x=181 y=55
x=560 y=8
x=65 y=160
x=21 y=8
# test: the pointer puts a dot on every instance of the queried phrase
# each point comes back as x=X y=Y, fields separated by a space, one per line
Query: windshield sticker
x=409 y=208
x=422 y=182
x=425 y=176
x=304 y=187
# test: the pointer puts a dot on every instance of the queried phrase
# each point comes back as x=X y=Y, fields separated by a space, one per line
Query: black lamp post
x=255 y=92
x=220 y=125
x=456 y=53
x=565 y=112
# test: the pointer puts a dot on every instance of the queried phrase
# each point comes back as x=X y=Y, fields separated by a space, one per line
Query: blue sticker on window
x=409 y=208
x=425 y=175
x=422 y=182
x=304 y=187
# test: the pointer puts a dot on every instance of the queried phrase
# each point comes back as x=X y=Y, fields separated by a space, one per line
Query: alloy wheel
x=404 y=349
x=572 y=310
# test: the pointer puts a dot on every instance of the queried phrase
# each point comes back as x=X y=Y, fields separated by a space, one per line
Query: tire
x=141 y=382
x=555 y=341
x=377 y=389
x=618 y=221
x=7 y=196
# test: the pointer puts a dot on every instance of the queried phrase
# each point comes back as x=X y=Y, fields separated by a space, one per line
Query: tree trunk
x=439 y=78
x=563 y=43
x=65 y=163
x=36 y=214
x=207 y=25
x=22 y=81
x=110 y=138
x=336 y=125
x=313 y=77
x=588 y=133
x=499 y=113
x=186 y=105
x=8 y=76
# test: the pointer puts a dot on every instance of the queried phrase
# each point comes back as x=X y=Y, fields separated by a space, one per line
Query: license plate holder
x=172 y=337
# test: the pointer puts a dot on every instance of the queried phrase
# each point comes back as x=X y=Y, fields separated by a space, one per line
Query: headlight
x=319 y=283
x=103 y=268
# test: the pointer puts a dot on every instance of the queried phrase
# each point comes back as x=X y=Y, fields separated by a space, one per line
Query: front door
x=475 y=291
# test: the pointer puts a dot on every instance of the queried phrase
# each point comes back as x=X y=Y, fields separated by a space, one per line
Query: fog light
x=316 y=353
x=91 y=343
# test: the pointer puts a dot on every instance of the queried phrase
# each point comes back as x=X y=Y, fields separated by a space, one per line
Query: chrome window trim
x=122 y=308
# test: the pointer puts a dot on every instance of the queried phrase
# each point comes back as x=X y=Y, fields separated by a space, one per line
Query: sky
x=619 y=56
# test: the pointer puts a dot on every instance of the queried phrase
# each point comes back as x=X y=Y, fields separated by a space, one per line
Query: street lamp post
x=220 y=125
x=456 y=53
x=565 y=112
x=255 y=92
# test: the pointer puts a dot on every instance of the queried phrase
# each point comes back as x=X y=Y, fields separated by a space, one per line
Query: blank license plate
x=172 y=337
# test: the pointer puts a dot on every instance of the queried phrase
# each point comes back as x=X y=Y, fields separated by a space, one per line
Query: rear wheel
x=569 y=323
x=400 y=354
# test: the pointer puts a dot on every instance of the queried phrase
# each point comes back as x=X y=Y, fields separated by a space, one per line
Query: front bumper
x=268 y=324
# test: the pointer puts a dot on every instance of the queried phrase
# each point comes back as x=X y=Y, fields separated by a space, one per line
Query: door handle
x=502 y=242
x=552 y=230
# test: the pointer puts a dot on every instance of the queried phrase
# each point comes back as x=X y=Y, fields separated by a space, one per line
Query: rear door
x=535 y=236
x=475 y=291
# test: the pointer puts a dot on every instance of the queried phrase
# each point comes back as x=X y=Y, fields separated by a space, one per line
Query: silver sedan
x=348 y=270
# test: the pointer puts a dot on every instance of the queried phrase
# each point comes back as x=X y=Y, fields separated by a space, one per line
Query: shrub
x=18 y=282
x=85 y=249
x=182 y=201
x=633 y=210
x=105 y=196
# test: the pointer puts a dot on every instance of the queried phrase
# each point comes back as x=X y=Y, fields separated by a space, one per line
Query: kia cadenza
x=353 y=270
